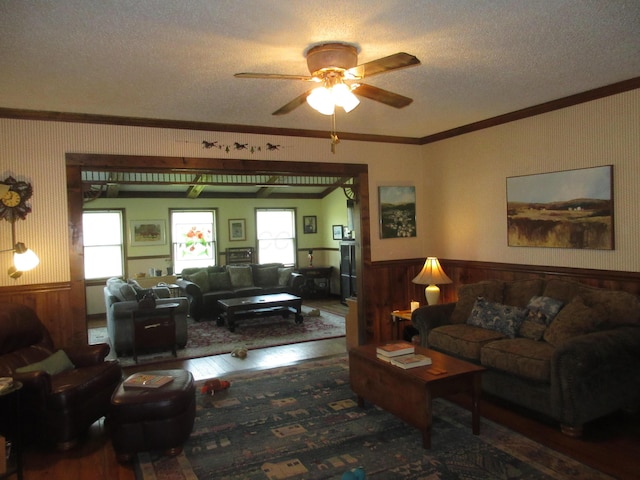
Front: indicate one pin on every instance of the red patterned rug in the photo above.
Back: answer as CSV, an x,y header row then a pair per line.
x,y
206,338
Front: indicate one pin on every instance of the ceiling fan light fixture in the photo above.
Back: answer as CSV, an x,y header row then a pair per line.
x,y
343,97
320,99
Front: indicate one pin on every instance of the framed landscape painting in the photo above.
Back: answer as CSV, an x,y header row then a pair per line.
x,y
397,212
145,233
567,209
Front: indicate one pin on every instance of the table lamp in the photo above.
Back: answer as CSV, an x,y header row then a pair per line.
x,y
431,275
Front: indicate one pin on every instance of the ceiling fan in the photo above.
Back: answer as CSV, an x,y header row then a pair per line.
x,y
335,67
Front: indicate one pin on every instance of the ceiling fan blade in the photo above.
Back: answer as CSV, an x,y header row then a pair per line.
x,y
386,64
274,76
382,96
293,104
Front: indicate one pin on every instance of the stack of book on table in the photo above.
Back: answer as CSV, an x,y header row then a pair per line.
x,y
146,380
402,354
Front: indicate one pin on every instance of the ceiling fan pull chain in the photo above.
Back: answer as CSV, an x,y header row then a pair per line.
x,y
334,135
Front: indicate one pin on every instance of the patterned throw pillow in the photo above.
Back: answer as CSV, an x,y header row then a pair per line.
x,y
496,316
219,281
283,276
265,276
573,320
541,312
241,276
201,279
121,289
467,295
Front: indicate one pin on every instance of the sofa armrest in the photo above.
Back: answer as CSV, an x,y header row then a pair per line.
x,y
36,384
296,280
86,355
428,317
595,371
161,291
190,289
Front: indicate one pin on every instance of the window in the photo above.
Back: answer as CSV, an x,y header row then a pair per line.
x,y
276,234
193,239
103,244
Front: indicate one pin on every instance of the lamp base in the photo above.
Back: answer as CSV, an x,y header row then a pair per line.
x,y
432,293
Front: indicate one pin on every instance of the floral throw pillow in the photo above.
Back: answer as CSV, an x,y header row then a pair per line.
x,y
501,318
541,312
543,309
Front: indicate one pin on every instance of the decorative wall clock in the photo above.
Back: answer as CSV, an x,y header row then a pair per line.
x,y
13,204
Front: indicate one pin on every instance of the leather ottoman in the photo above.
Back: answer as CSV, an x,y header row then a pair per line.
x,y
152,419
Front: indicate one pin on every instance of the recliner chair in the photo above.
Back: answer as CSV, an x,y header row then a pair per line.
x,y
64,393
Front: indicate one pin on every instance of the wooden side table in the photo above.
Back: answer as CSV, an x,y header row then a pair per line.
x,y
174,290
398,317
12,430
317,281
154,328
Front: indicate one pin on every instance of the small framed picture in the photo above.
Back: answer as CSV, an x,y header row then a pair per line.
x,y
237,229
310,223
337,232
145,233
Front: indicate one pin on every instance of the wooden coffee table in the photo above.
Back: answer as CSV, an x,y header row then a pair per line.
x,y
259,306
408,393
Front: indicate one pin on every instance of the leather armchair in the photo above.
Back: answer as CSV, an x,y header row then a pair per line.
x,y
56,408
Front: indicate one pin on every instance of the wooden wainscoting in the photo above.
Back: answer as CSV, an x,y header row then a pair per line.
x,y
52,303
388,285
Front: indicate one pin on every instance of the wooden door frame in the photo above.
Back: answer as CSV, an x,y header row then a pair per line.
x,y
77,162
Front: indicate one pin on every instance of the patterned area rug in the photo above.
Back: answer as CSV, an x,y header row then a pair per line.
x,y
303,422
206,338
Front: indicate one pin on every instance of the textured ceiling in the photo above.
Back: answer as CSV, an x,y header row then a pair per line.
x,y
175,60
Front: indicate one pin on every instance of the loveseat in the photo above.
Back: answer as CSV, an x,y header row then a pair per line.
x,y
122,297
561,348
205,286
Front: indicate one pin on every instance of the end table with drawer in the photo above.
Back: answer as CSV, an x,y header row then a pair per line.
x,y
317,281
154,328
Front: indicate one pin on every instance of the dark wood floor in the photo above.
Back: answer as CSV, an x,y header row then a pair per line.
x,y
611,445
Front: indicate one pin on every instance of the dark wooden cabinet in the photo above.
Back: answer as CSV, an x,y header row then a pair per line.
x,y
347,270
240,255
317,281
154,328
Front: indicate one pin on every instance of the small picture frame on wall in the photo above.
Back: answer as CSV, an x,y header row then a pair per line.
x,y
147,233
237,229
337,232
310,224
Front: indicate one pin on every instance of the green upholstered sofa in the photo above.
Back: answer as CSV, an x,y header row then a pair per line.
x,y
573,355
205,286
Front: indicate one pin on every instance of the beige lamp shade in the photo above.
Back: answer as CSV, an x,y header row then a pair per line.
x,y
431,275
